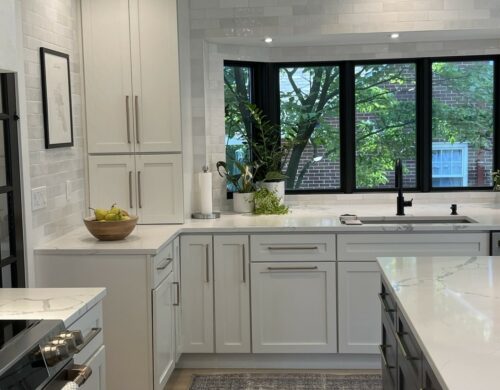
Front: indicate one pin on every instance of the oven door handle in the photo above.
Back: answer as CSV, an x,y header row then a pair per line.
x,y
92,334
80,373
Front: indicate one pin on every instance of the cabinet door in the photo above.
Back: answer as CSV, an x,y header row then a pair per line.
x,y
159,188
111,180
197,294
108,75
294,307
388,354
232,294
163,333
358,307
155,63
97,363
177,305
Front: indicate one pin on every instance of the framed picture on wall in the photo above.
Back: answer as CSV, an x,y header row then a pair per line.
x,y
56,95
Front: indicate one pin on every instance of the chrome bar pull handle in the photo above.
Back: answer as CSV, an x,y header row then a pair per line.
x,y
139,192
130,189
292,248
404,352
207,264
384,304
382,349
291,268
164,264
243,252
137,119
177,286
127,109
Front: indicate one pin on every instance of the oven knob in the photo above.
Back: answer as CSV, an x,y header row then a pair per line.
x,y
56,351
73,338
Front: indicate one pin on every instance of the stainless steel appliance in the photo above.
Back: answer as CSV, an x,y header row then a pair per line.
x,y
495,243
37,355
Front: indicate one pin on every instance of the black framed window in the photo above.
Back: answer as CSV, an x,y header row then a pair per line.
x,y
12,270
352,120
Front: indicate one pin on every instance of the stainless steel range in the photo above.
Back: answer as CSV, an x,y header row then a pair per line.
x,y
38,355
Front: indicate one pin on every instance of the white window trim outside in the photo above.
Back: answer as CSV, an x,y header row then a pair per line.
x,y
464,147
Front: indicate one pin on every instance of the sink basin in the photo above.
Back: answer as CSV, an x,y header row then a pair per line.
x,y
450,219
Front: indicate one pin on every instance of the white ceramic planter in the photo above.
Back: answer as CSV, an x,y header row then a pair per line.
x,y
278,187
243,203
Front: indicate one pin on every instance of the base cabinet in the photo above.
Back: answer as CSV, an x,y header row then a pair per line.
x,y
293,307
163,332
197,294
358,307
404,366
97,363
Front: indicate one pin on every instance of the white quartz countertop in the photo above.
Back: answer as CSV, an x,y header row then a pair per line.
x,y
452,305
67,304
149,239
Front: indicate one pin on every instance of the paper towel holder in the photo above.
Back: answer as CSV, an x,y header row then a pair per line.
x,y
199,215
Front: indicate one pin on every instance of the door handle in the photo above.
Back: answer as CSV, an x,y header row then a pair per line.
x,y
165,264
207,265
244,263
130,189
139,192
137,119
127,110
177,285
384,303
382,349
404,352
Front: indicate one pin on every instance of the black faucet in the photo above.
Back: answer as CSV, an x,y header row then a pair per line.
x,y
401,202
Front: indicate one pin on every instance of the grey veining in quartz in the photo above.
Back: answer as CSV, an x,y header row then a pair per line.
x,y
67,304
452,305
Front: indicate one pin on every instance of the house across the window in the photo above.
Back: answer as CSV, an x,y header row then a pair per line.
x,y
449,164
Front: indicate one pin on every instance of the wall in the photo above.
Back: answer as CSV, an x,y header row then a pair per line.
x,y
8,49
318,30
54,24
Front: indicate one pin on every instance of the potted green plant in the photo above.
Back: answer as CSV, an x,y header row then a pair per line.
x,y
496,180
268,203
242,182
269,151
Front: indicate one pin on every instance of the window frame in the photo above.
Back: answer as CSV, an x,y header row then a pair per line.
x,y
268,87
10,119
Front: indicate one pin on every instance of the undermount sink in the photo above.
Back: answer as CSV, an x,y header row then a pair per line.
x,y
451,219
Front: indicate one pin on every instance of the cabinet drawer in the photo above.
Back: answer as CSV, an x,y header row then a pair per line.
x,y
90,324
388,354
292,247
366,247
162,264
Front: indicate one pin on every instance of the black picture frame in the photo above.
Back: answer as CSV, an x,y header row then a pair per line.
x,y
55,74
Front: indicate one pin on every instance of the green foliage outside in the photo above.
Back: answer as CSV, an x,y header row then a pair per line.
x,y
385,109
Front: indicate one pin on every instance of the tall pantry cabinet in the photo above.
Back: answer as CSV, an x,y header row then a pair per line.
x,y
131,70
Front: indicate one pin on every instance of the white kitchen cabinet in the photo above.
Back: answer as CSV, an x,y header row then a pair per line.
x,y
108,82
159,188
163,332
147,185
294,307
232,294
358,307
177,304
197,296
131,86
112,181
367,247
97,363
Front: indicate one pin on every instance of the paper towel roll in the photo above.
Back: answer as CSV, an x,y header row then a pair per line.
x,y
205,186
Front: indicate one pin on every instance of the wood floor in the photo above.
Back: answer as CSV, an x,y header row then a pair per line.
x,y
181,378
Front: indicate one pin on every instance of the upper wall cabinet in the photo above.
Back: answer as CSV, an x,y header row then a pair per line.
x,y
131,76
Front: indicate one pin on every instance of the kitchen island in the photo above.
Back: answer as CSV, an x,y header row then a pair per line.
x,y
450,307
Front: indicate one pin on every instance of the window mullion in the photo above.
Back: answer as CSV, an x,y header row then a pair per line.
x,y
347,127
424,125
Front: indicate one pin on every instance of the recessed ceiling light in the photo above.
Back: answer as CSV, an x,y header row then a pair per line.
x,y
395,35
268,39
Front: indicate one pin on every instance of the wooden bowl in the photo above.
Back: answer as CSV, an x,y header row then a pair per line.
x,y
110,230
